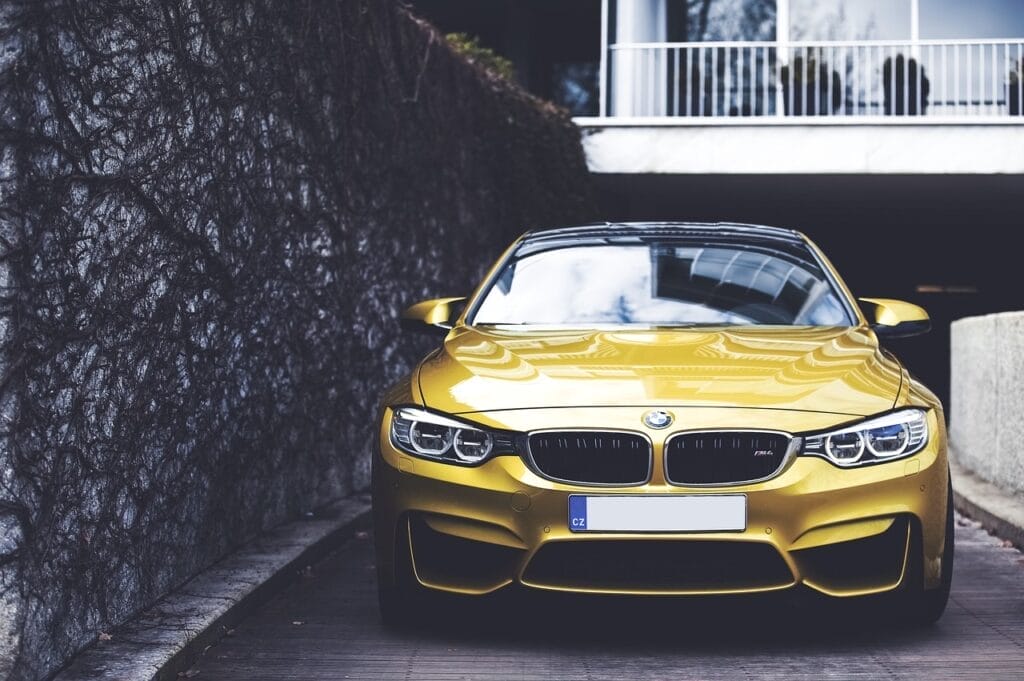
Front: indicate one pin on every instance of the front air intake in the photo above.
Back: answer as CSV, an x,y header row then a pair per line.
x,y
591,457
724,457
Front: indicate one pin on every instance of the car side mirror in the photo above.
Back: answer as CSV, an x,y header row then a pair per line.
x,y
434,317
895,318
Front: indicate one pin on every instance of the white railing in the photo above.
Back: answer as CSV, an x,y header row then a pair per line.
x,y
909,80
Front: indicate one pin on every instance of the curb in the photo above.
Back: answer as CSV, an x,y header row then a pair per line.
x,y
169,637
997,510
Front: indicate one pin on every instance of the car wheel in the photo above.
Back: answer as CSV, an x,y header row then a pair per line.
x,y
400,595
915,605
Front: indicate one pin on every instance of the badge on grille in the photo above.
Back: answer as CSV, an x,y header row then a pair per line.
x,y
658,419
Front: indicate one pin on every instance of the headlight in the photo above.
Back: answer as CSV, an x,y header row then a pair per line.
x,y
882,438
432,436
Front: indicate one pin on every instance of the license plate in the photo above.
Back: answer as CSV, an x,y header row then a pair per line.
x,y
676,513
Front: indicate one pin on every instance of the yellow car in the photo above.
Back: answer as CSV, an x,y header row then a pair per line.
x,y
663,409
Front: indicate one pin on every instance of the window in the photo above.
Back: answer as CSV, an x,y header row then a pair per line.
x,y
669,283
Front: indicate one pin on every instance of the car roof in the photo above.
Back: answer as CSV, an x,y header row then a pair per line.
x,y
665,229
734,233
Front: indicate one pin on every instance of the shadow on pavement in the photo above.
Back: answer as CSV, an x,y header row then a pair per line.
x,y
779,622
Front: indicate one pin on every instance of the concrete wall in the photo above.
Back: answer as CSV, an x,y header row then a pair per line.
x,y
986,411
210,215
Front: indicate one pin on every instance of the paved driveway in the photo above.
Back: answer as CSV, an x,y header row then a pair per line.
x,y
326,627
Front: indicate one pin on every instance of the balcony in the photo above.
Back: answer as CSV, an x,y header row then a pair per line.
x,y
837,79
830,106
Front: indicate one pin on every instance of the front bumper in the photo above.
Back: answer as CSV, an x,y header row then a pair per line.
x,y
842,532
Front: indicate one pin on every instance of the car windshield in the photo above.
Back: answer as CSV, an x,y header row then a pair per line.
x,y
671,283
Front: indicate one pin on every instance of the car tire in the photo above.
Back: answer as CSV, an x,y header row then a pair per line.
x,y
915,605
399,594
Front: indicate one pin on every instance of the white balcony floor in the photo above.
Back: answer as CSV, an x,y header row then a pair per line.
x,y
788,146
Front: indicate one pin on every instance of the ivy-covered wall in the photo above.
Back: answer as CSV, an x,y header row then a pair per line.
x,y
210,215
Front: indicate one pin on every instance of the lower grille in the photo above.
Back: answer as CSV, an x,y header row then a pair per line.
x,y
867,563
448,561
656,565
724,457
592,457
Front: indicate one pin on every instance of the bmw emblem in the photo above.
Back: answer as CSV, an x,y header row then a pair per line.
x,y
658,419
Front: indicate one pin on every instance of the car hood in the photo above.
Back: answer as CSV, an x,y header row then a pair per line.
x,y
834,370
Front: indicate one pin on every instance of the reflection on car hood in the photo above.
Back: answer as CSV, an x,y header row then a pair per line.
x,y
836,370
